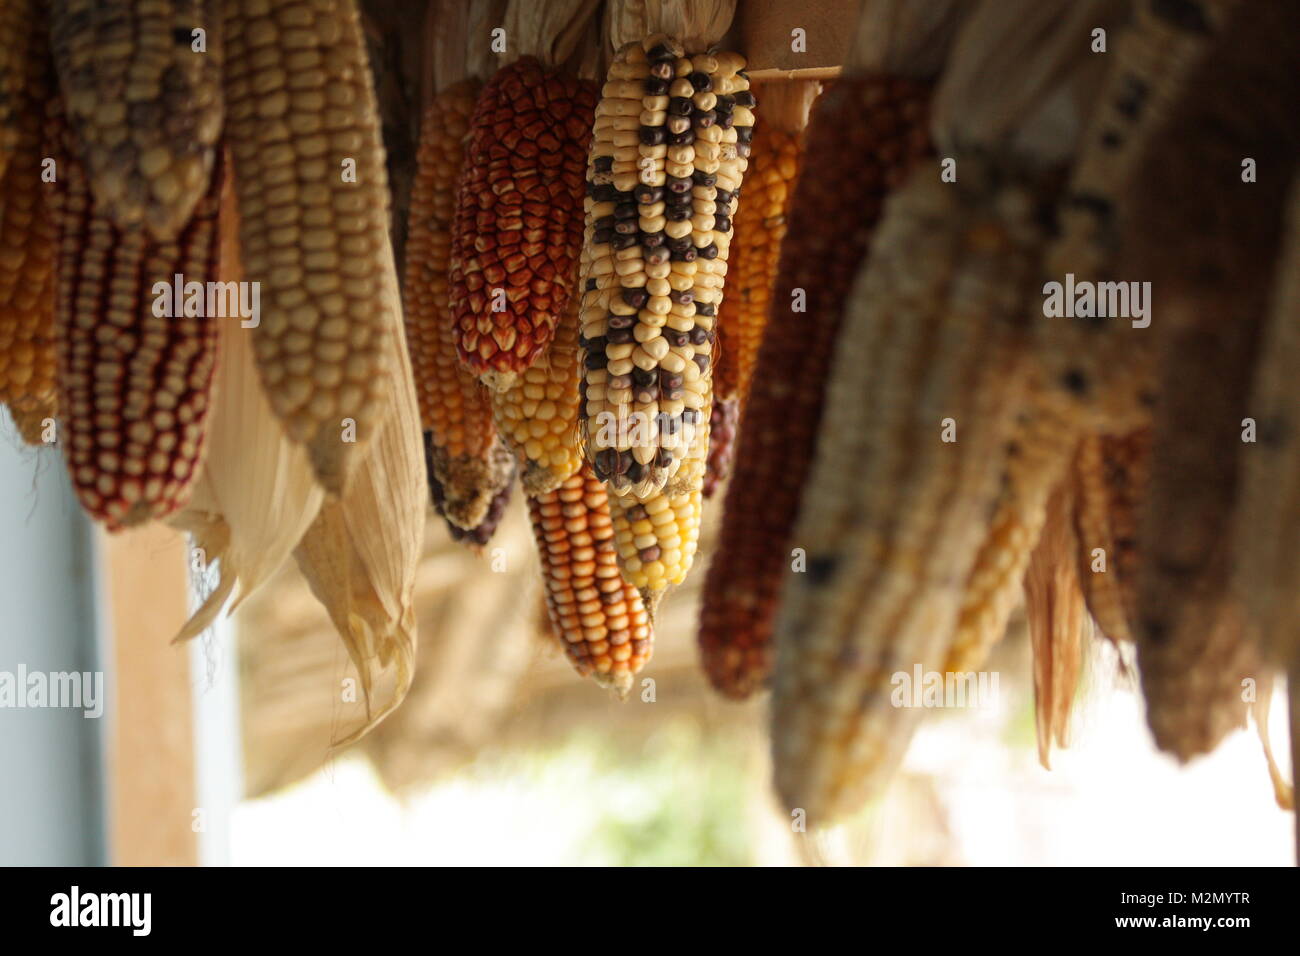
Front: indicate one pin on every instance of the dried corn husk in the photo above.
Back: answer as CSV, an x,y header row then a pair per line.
x,y
360,555
549,31
698,24
257,495
1059,624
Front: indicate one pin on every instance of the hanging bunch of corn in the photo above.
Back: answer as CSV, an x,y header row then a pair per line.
x,y
865,133
142,85
467,470
1102,368
311,182
930,374
760,229
27,228
518,227
1213,262
135,364
599,617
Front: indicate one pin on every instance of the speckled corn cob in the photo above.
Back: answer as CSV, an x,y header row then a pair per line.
x,y
657,538
538,414
864,135
144,107
27,231
455,412
1102,369
893,516
518,227
135,386
499,482
1110,475
1267,566
1036,458
300,110
598,616
1213,262
672,138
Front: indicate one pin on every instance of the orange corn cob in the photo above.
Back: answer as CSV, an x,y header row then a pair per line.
x,y
518,226
865,134
27,228
455,412
597,614
134,385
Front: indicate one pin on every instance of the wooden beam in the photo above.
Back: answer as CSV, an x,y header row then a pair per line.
x,y
151,785
767,36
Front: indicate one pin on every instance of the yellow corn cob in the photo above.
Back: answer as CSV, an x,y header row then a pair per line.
x,y
1213,262
538,413
1035,458
27,228
671,142
657,539
866,133
135,379
301,120
1267,566
1102,368
467,471
893,515
599,617
144,106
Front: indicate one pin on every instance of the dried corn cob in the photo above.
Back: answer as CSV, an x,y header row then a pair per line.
x,y
1036,457
27,228
135,363
1110,479
301,120
671,139
464,461
538,414
598,616
1213,262
657,538
865,133
1058,622
144,106
517,232
1103,368
1267,565
498,480
724,420
894,515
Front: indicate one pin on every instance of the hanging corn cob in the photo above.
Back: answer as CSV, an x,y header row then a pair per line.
x,y
499,479
896,509
464,461
865,133
671,140
1058,623
599,617
517,231
313,203
760,228
1102,368
27,228
1036,458
1110,479
144,104
538,414
135,366
1213,262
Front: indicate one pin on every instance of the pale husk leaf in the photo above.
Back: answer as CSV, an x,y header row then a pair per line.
x,y
699,24
549,31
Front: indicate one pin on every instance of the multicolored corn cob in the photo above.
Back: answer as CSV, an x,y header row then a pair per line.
x,y
313,204
135,360
865,134
929,369
27,228
144,104
672,137
498,482
599,617
1103,369
518,226
464,460
538,414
